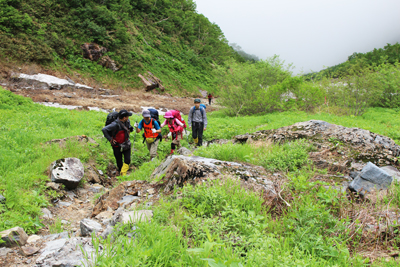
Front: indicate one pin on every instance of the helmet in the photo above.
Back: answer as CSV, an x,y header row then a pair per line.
x,y
168,115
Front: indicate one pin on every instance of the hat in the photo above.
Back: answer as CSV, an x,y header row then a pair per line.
x,y
124,113
146,113
197,100
168,115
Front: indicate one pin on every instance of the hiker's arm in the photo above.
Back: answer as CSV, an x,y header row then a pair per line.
x,y
109,129
157,127
140,126
178,122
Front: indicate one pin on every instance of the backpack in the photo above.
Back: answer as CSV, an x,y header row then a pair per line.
x,y
203,106
177,115
154,115
112,116
201,109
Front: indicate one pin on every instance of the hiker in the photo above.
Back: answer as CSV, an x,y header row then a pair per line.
x,y
175,127
197,119
209,98
117,133
152,132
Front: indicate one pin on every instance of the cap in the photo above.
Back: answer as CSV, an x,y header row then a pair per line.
x,y
146,113
124,113
197,100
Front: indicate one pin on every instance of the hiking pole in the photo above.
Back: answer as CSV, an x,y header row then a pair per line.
x,y
187,137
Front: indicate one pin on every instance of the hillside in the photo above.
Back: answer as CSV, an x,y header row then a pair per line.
x,y
389,54
168,38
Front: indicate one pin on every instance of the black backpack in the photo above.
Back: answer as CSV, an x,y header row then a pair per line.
x,y
112,116
154,115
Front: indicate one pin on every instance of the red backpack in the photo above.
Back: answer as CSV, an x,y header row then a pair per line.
x,y
177,115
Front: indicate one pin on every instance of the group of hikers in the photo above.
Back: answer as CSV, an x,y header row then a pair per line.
x,y
118,129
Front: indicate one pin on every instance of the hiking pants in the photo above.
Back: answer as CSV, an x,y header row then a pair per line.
x,y
176,140
198,128
209,101
153,148
118,152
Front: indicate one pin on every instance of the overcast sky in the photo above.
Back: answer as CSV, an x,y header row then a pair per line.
x,y
310,34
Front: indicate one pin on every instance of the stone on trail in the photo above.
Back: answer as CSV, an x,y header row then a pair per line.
x,y
13,237
4,251
67,252
28,251
67,171
33,239
109,230
371,177
89,226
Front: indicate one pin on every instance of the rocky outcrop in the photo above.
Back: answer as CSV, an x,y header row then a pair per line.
x,y
89,226
108,63
46,82
67,171
179,170
367,146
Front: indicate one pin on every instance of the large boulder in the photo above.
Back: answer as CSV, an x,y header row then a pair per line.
x,y
13,237
370,178
178,170
392,171
67,171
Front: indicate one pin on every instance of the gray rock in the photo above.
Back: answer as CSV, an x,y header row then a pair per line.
x,y
33,239
62,235
68,171
64,204
28,251
47,214
353,175
4,252
89,226
13,237
184,151
67,253
392,171
370,178
126,200
109,230
2,199
96,188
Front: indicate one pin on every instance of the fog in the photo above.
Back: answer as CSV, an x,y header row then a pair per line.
x,y
311,34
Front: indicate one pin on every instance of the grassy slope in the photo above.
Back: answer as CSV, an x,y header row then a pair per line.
x,y
168,38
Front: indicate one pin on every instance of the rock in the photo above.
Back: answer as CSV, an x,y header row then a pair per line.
x,y
126,200
65,252
4,252
13,237
92,176
62,235
28,251
392,171
184,151
107,62
104,215
93,51
109,230
151,191
68,171
33,238
370,178
44,81
89,226
96,188
2,199
64,204
178,170
53,186
47,214
353,175
100,172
